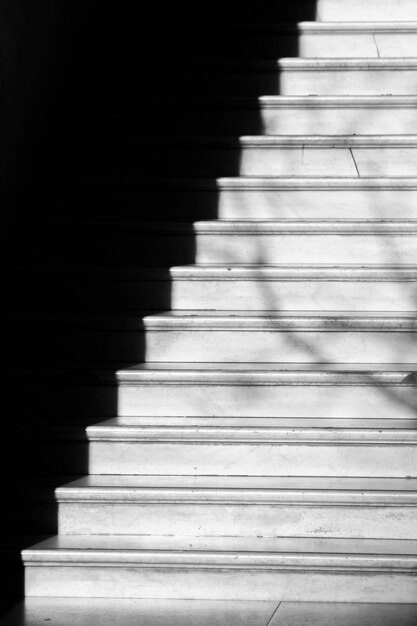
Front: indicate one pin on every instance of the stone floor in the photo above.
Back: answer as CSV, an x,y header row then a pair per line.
x,y
103,612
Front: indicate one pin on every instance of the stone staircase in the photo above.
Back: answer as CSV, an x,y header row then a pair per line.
x,y
241,358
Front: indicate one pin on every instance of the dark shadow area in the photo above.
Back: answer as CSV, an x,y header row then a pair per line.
x,y
91,164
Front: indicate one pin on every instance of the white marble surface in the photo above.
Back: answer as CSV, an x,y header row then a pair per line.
x,y
254,519
276,459
371,10
360,44
338,116
359,82
314,295
328,161
107,612
221,584
274,346
328,614
300,161
268,401
378,248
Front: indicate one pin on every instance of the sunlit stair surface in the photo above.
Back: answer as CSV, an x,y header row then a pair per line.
x,y
214,321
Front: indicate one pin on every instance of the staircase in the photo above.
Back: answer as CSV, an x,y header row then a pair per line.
x,y
241,358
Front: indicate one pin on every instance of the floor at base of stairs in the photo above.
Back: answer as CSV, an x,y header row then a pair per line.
x,y
105,612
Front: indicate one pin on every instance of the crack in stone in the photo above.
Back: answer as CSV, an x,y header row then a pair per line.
x,y
354,161
273,614
376,46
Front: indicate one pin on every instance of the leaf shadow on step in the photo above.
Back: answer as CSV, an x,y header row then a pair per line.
x,y
400,399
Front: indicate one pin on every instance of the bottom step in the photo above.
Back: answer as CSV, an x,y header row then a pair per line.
x,y
104,612
319,570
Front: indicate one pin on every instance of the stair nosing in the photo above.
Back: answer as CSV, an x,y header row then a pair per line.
x,y
299,553
228,321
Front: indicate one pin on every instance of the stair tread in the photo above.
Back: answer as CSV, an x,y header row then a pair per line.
x,y
241,182
269,373
253,431
328,26
395,372
243,482
290,63
264,100
96,487
230,271
218,320
254,422
233,227
271,367
256,141
112,546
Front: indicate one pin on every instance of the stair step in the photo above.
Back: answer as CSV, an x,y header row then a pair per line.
x,y
225,287
309,155
234,242
213,335
216,389
347,76
299,390
320,39
266,115
291,77
244,197
245,506
238,337
219,320
223,568
279,448
241,40
249,430
229,489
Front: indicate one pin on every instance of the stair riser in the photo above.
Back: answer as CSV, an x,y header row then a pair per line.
x,y
309,248
228,81
350,82
332,120
291,120
290,346
357,45
284,120
222,583
254,520
228,295
307,203
267,401
372,10
295,202
265,42
294,295
200,400
252,459
218,346
328,44
291,248
278,161
329,162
